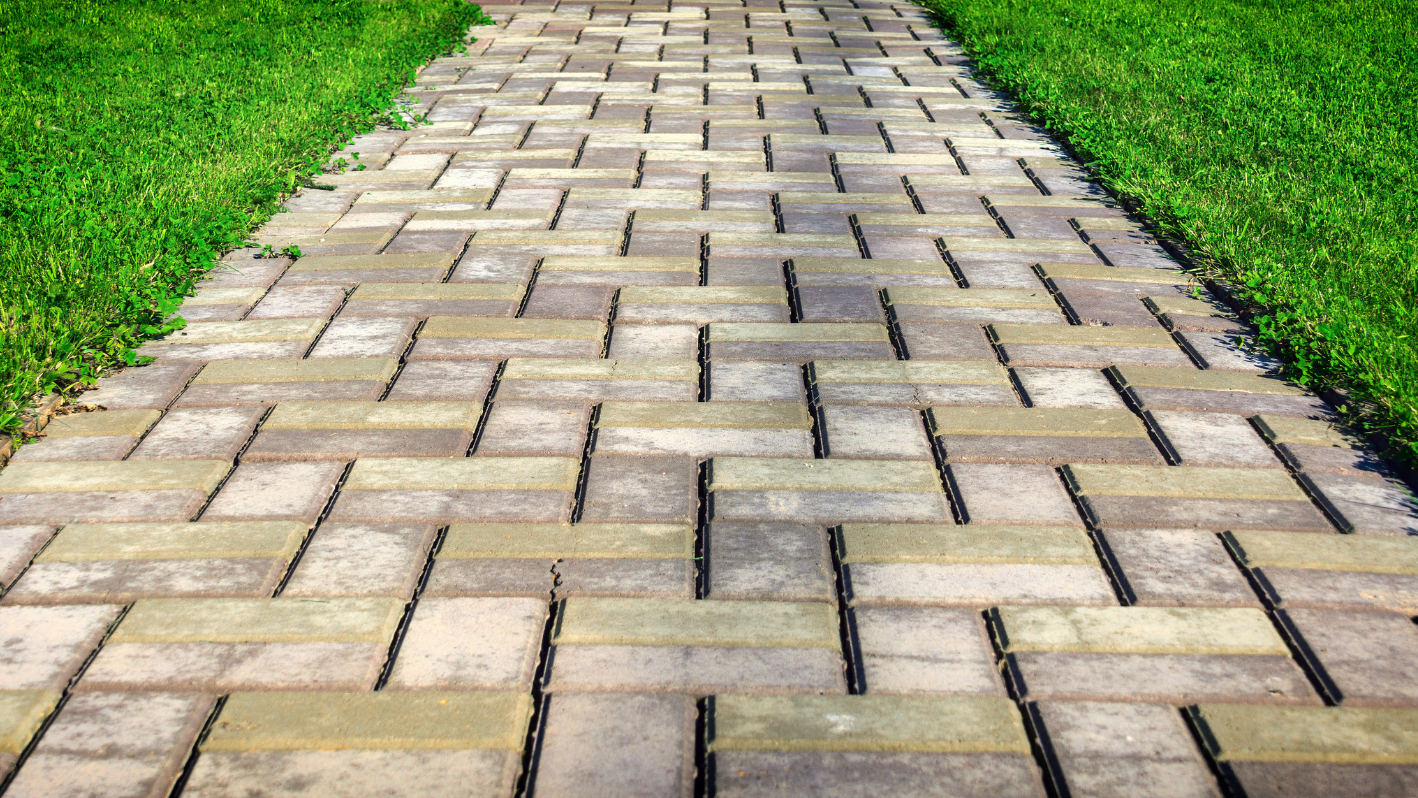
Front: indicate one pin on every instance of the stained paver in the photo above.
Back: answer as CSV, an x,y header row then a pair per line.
x,y
713,398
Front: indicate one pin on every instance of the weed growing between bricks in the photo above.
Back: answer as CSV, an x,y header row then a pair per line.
x,y
1274,138
141,139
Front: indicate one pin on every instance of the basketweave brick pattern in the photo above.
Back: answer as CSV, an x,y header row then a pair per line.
x,y
715,397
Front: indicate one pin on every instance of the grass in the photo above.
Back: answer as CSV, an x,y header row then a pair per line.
x,y
140,138
1276,137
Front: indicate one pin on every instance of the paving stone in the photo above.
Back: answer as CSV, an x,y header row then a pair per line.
x,y
1312,751
1365,506
754,381
128,423
654,342
361,560
893,433
17,545
1148,654
232,382
216,433
617,271
1211,439
913,650
1244,734
1011,494
357,336
768,561
497,644
941,303
592,380
442,489
695,647
1219,352
22,712
854,271
649,622
1082,388
861,774
388,721
1107,309
944,341
1086,347
914,383
417,267
1305,432
941,724
535,428
44,646
433,299
224,645
97,491
1369,658
702,304
1331,571
1177,568
797,342
118,563
236,340
443,381
1313,779
90,447
130,744
1136,630
347,430
1041,435
704,429
295,303
1125,749
1216,392
275,491
445,337
826,490
587,302
652,489
259,621
1192,496
969,565
617,745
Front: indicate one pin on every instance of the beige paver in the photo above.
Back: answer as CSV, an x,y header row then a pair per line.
x,y
661,622
96,542
335,620
1364,554
1310,734
370,721
1137,630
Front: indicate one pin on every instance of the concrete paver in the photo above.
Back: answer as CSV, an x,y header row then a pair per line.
x,y
715,398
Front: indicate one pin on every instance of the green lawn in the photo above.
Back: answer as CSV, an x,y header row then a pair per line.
x,y
1278,137
141,137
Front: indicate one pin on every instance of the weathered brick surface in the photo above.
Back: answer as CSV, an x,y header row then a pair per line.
x,y
750,395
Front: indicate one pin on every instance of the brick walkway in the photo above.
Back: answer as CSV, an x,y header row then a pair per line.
x,y
716,400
